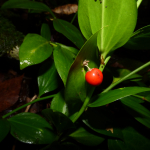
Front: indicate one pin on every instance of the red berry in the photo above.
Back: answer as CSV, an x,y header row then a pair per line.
x,y
94,77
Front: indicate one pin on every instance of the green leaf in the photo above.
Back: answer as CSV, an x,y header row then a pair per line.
x,y
83,19
133,138
140,39
75,90
31,128
139,112
101,120
26,4
63,58
4,128
68,48
58,119
116,21
59,104
113,95
34,50
48,78
70,31
84,137
135,106
45,31
134,98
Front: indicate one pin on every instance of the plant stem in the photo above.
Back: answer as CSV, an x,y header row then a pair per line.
x,y
125,77
73,17
102,66
25,105
84,105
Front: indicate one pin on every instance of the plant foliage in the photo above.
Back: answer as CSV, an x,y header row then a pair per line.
x,y
80,114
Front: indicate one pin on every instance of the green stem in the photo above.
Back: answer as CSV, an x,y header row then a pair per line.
x,y
25,105
102,66
125,77
73,18
84,105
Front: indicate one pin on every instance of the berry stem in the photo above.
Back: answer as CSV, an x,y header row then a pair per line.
x,y
89,69
85,63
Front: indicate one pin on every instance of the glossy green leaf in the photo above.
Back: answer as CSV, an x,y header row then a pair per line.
x,y
101,120
32,129
26,4
75,90
68,48
83,19
48,78
84,137
34,49
63,58
70,31
134,137
113,95
58,119
4,128
139,112
59,104
140,39
116,21
45,31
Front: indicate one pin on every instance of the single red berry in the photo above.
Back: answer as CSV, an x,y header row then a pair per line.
x,y
94,77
